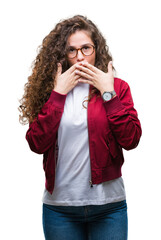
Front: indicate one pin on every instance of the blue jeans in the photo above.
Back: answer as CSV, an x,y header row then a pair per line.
x,y
92,222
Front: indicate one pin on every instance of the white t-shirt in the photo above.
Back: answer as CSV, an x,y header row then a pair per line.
x,y
73,170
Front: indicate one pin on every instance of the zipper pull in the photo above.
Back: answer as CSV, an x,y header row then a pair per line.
x,y
91,183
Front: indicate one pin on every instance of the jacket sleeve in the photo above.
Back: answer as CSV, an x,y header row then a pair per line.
x,y
123,118
42,132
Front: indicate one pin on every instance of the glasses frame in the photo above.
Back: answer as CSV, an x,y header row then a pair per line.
x,y
77,49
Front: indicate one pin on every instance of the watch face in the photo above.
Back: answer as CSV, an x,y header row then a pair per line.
x,y
107,96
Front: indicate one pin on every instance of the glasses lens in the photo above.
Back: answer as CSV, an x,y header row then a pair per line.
x,y
71,52
87,50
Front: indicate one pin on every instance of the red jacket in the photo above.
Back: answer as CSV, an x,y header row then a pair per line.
x,y
112,125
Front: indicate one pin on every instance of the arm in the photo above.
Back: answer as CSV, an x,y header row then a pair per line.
x,y
120,110
42,132
123,119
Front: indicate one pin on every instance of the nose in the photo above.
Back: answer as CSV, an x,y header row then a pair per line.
x,y
80,56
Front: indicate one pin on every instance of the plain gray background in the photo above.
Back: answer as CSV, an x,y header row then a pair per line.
x,y
132,30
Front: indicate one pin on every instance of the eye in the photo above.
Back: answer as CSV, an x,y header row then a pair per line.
x,y
71,50
86,47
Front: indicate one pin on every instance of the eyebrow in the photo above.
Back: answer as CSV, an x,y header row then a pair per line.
x,y
70,46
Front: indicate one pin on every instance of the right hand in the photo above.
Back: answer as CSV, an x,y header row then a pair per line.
x,y
65,82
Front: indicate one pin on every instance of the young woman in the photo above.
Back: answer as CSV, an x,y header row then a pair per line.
x,y
80,117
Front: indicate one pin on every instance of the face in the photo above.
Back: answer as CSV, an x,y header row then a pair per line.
x,y
77,40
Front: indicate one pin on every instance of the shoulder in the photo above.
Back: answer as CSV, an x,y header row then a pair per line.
x,y
120,82
120,85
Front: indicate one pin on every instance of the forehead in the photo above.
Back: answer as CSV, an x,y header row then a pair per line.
x,y
79,38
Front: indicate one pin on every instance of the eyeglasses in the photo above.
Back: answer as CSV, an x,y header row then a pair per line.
x,y
86,50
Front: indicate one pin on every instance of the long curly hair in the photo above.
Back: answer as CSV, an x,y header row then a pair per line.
x,y
53,51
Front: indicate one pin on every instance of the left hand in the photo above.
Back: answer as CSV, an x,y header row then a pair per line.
x,y
94,76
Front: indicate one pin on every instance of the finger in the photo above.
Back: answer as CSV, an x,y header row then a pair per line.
x,y
73,67
110,70
84,75
89,66
77,80
82,80
59,70
85,70
77,77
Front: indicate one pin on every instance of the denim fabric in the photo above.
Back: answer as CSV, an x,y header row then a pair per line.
x,y
92,222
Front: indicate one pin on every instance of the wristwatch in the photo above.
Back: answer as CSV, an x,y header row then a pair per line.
x,y
108,95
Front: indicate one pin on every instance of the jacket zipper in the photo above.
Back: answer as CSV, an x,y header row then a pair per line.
x,y
91,184
90,181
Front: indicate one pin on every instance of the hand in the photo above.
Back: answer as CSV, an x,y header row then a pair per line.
x,y
94,76
65,82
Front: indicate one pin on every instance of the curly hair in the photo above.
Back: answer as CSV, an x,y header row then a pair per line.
x,y
53,51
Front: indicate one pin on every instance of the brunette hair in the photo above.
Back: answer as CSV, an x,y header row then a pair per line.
x,y
53,51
